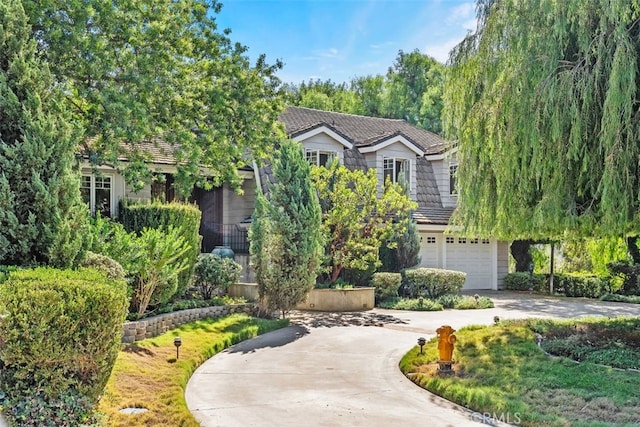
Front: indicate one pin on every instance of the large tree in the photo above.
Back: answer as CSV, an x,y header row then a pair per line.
x,y
286,245
543,100
42,217
142,70
358,217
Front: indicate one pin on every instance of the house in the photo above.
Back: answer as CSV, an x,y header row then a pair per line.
x,y
394,148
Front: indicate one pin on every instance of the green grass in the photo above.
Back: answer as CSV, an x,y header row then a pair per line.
x,y
147,374
501,370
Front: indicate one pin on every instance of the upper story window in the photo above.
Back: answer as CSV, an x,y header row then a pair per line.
x,y
97,193
396,169
453,182
319,157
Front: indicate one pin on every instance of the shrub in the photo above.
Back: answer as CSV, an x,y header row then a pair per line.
x,y
473,303
414,304
183,217
60,333
386,285
524,281
434,282
212,272
448,300
629,274
110,267
631,299
581,285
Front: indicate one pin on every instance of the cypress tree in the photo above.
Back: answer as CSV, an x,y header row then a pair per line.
x,y
42,217
286,243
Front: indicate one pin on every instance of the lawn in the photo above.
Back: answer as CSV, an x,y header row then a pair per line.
x,y
501,371
147,374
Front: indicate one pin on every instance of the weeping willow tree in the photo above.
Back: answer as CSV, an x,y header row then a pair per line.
x,y
543,100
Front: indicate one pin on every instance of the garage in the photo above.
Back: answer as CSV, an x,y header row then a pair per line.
x,y
472,256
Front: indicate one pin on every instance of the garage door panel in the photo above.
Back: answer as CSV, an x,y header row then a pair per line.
x,y
473,259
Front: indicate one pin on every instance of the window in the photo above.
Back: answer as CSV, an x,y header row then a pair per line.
x,y
396,169
450,240
97,193
453,190
320,157
473,241
462,240
431,239
485,241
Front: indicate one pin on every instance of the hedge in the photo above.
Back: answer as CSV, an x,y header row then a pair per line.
x,y
159,215
433,282
521,281
60,333
386,285
581,285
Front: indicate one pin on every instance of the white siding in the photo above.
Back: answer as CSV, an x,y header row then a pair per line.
x,y
430,250
503,262
324,142
399,151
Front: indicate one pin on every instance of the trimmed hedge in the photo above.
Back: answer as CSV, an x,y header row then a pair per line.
x,y
159,215
581,285
386,285
60,334
433,282
521,281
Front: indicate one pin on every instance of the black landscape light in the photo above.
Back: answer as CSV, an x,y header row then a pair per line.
x,y
421,343
177,341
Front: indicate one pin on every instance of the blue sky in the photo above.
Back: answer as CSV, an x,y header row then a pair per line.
x,y
342,39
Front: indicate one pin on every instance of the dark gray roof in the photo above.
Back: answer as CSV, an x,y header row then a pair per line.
x,y
432,215
427,193
354,159
361,131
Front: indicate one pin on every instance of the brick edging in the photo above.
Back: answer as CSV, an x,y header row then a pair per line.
x,y
156,325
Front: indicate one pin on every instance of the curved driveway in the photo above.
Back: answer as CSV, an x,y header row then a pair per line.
x,y
332,369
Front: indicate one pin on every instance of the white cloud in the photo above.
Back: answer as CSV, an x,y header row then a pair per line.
x,y
378,46
332,52
461,12
441,51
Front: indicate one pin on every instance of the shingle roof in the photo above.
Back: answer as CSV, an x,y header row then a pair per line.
x,y
354,159
156,151
427,193
362,131
432,215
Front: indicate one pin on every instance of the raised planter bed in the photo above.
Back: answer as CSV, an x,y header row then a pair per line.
x,y
356,299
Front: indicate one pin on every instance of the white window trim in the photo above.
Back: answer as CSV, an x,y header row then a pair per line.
x,y
394,161
317,152
92,192
452,191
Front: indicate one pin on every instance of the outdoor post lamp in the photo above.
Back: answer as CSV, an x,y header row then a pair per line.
x,y
420,301
177,341
421,343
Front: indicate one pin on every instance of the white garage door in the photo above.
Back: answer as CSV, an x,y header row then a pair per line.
x,y
473,256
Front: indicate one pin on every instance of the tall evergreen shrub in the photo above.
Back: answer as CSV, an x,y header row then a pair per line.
x,y
182,217
286,243
42,217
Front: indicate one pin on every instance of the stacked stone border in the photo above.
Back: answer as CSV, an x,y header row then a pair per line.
x,y
157,325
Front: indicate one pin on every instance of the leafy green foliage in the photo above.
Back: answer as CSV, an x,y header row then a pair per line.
x,y
355,221
433,282
524,282
136,71
213,272
411,90
386,285
542,99
285,236
592,254
473,302
582,285
629,274
110,267
153,261
59,337
413,304
42,217
403,249
183,217
632,299
34,409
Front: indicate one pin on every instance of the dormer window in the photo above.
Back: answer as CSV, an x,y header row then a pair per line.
x,y
396,169
320,157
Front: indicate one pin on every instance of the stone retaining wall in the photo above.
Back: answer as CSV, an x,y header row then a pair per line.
x,y
157,325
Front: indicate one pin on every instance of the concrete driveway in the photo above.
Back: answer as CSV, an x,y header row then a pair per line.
x,y
332,369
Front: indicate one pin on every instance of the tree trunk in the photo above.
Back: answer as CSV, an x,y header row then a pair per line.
x,y
632,247
520,253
